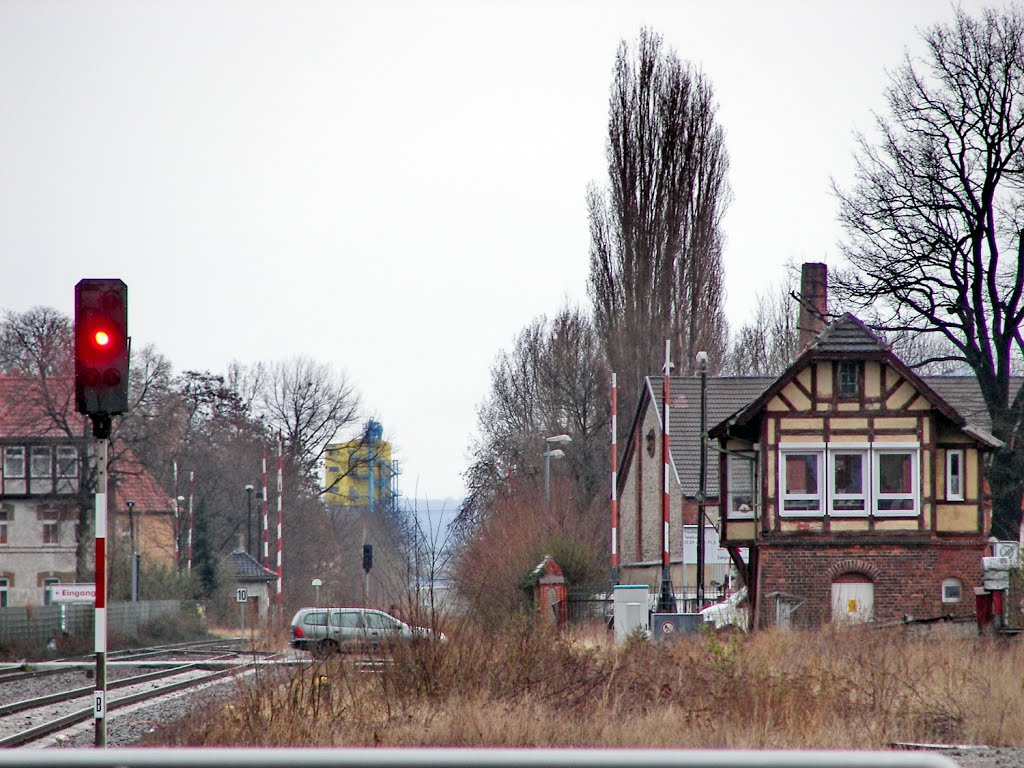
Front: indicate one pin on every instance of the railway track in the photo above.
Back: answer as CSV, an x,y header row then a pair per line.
x,y
32,719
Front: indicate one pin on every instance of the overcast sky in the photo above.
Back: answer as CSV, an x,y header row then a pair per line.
x,y
395,188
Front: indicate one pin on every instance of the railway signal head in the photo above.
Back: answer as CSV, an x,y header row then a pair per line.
x,y
101,347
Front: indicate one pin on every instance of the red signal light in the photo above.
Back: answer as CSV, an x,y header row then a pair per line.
x,y
101,347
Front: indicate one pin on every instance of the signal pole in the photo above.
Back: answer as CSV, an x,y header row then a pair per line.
x,y
101,431
101,391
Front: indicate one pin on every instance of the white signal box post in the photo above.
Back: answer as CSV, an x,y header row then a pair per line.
x,y
242,597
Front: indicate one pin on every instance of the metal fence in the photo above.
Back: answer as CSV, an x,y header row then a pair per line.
x,y
465,758
586,605
36,625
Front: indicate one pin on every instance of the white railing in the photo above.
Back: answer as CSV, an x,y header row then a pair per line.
x,y
464,758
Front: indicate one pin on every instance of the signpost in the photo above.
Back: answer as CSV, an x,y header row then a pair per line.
x,y
73,593
242,597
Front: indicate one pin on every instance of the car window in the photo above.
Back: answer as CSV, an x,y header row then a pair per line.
x,y
346,619
380,621
316,619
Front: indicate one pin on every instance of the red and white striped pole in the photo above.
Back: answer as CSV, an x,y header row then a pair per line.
x,y
266,515
191,517
615,493
667,600
177,524
280,514
100,623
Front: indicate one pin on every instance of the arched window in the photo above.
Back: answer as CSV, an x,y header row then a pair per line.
x,y
952,590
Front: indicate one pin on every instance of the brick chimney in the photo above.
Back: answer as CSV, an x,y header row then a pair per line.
x,y
813,301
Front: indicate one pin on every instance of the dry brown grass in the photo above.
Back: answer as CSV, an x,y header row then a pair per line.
x,y
863,688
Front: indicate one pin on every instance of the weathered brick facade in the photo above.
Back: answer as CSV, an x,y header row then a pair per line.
x,y
907,572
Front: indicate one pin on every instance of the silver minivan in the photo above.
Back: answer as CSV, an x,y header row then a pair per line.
x,y
324,630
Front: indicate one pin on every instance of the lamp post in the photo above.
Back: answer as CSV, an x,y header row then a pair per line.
x,y
552,453
702,368
135,551
248,518
177,530
316,588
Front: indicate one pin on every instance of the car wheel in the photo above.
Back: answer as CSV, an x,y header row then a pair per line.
x,y
325,648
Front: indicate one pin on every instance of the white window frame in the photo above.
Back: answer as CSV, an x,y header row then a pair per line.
x,y
745,461
882,449
952,582
15,478
815,449
6,518
41,469
850,449
856,382
952,453
50,524
66,478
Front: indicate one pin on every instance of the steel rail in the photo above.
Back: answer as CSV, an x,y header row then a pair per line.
x,y
43,729
54,698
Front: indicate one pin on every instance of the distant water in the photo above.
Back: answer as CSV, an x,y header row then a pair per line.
x,y
435,515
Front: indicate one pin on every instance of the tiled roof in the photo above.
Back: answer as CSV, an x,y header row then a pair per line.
x,y
131,481
724,396
26,406
245,568
964,394
847,335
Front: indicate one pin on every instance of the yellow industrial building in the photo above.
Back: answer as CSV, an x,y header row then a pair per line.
x,y
361,473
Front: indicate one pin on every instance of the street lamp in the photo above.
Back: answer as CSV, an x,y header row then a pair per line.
x,y
248,518
552,453
135,550
702,370
316,583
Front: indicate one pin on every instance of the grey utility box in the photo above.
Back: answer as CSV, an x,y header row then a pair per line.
x,y
630,610
669,626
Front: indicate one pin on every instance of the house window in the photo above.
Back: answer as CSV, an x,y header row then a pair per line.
x,y
50,518
955,475
4,586
14,469
33,470
41,469
800,483
895,481
880,479
849,379
47,583
741,485
6,518
848,482
67,469
952,590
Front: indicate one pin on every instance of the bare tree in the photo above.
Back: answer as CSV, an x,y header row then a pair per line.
x,y
553,381
935,221
656,240
309,403
770,340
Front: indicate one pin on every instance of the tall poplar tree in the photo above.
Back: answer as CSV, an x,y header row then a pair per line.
x,y
656,238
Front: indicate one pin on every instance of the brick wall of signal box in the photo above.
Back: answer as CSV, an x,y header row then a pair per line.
x,y
907,578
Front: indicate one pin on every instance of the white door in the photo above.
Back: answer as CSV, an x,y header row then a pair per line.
x,y
853,600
